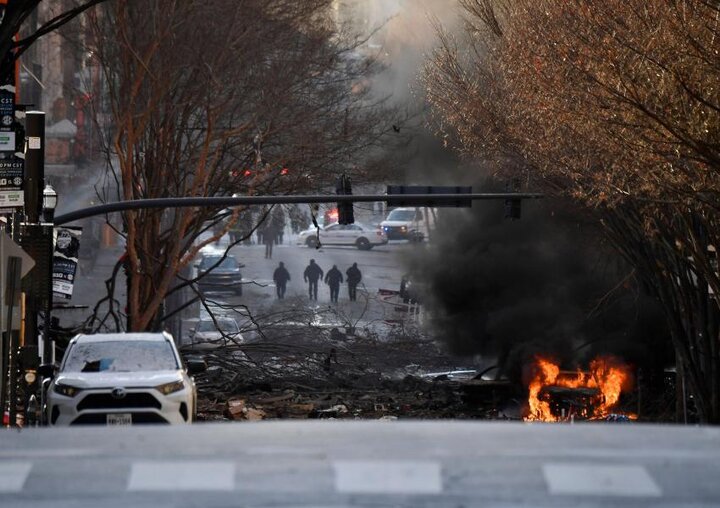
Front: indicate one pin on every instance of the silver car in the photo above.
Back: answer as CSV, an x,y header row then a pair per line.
x,y
122,379
209,333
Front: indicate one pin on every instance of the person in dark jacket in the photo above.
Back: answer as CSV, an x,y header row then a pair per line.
x,y
269,239
354,276
311,275
333,279
277,222
281,277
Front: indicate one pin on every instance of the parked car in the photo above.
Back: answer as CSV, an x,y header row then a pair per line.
x,y
122,379
209,333
363,237
220,273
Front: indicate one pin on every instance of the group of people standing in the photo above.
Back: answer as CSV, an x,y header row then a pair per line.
x,y
313,274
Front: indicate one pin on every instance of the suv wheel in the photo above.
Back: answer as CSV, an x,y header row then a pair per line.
x,y
311,242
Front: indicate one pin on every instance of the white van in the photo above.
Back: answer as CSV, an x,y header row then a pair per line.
x,y
411,224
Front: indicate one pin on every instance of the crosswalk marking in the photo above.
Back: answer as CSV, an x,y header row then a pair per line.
x,y
600,480
354,477
182,475
13,475
387,477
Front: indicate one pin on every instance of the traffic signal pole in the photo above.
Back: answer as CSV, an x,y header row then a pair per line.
x,y
36,240
31,232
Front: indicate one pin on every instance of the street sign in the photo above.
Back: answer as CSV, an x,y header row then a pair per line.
x,y
12,177
7,109
11,198
8,248
7,141
399,190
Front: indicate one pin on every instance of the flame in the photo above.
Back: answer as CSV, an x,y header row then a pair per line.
x,y
607,375
546,374
331,215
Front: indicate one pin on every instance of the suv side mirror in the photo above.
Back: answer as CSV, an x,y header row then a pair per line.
x,y
195,366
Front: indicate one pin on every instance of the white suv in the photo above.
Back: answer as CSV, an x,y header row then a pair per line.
x,y
406,224
122,379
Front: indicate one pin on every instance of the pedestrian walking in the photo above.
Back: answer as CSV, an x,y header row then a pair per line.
x,y
354,276
333,279
269,238
294,214
311,275
277,220
281,277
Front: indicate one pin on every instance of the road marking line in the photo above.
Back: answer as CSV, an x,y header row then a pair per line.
x,y
13,475
601,480
181,475
387,477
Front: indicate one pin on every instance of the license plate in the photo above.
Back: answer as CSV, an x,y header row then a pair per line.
x,y
119,419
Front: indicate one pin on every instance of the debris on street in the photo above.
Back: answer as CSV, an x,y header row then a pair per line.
x,y
326,375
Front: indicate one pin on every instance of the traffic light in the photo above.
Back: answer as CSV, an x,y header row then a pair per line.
x,y
513,207
345,209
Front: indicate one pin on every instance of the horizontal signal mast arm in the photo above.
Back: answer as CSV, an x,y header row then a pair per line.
x,y
411,199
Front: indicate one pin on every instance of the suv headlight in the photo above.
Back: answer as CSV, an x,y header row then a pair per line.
x,y
66,390
169,388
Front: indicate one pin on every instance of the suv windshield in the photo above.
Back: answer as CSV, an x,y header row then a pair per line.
x,y
404,215
227,263
121,356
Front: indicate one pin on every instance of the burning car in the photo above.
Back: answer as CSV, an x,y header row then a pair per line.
x,y
556,395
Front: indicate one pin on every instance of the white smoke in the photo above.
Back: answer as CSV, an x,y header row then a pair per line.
x,y
400,33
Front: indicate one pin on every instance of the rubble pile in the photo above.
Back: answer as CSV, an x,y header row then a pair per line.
x,y
347,376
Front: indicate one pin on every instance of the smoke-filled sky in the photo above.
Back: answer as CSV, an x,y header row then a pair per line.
x,y
401,32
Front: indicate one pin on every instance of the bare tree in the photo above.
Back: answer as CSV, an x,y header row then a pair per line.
x,y
615,104
14,18
221,97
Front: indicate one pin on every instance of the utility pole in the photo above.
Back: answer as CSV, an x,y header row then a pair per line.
x,y
32,234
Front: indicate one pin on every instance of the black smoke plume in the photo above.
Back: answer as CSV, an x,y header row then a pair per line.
x,y
544,284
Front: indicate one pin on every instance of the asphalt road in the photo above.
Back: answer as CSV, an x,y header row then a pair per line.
x,y
339,464
382,268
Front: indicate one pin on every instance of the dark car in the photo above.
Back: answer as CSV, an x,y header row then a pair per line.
x,y
220,273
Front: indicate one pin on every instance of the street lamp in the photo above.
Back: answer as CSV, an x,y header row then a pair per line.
x,y
49,202
50,199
